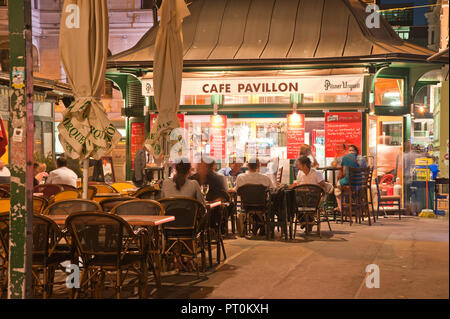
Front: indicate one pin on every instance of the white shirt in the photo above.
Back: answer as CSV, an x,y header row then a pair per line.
x,y
254,178
63,175
314,177
5,172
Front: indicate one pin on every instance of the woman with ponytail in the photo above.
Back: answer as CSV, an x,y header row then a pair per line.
x,y
180,184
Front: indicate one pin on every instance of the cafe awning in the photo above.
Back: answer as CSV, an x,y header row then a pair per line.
x,y
249,32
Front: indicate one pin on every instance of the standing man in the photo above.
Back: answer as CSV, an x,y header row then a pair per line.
x,y
141,160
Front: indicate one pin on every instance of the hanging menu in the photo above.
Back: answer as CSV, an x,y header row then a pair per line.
x,y
218,136
342,128
137,139
295,134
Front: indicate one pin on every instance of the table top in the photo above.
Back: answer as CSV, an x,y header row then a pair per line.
x,y
108,195
329,168
133,220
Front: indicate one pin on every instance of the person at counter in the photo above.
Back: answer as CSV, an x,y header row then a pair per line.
x,y
308,175
206,175
141,161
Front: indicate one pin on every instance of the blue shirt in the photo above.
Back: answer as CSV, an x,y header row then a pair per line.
x,y
226,171
349,160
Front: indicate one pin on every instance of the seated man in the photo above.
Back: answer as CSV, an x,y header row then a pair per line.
x,y
308,175
254,177
63,174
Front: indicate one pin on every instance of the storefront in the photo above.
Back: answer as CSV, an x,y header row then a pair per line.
x,y
259,85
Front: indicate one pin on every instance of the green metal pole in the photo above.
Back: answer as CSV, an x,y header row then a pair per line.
x,y
22,134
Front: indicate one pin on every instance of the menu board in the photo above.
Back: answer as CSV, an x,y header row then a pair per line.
x,y
108,171
295,134
137,139
218,136
342,128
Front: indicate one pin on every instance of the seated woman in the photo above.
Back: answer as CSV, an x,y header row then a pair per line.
x,y
305,150
308,175
349,160
181,185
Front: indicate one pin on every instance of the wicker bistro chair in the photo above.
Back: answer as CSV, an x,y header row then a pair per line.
x,y
46,255
388,201
6,187
4,193
107,244
369,198
354,195
148,192
104,188
108,204
67,207
39,205
48,190
64,195
4,252
308,199
218,216
185,237
255,200
122,187
327,205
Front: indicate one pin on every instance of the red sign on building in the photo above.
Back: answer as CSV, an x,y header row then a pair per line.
x,y
295,134
218,136
342,128
137,139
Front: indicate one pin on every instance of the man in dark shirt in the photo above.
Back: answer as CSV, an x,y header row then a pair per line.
x,y
217,184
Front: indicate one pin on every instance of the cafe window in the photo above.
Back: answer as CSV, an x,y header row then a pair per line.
x,y
332,98
195,100
257,99
389,92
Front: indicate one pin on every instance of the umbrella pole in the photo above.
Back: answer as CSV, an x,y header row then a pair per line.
x,y
85,178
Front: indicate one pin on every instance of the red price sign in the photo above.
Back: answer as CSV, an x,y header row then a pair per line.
x,y
342,128
295,134
218,136
137,139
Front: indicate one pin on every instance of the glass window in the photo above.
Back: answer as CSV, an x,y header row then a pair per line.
x,y
195,100
332,98
389,92
42,109
257,99
38,137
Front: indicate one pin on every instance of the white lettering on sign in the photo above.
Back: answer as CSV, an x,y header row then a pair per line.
x,y
73,18
266,85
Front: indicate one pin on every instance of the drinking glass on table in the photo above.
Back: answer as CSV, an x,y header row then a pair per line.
x,y
204,189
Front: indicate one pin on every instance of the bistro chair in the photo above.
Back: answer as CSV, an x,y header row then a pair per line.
x,y
327,204
387,201
104,188
369,198
148,192
218,216
4,252
185,237
64,195
5,205
139,207
123,187
39,205
67,187
67,207
4,193
279,175
107,244
354,195
257,206
46,255
308,198
108,204
6,187
48,190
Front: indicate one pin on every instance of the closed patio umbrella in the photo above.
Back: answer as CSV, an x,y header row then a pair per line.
x,y
83,44
167,75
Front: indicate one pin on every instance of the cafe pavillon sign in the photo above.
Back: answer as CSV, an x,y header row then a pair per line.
x,y
266,85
